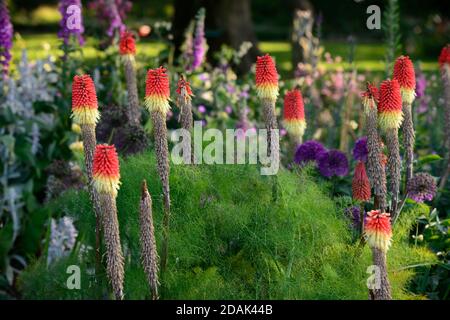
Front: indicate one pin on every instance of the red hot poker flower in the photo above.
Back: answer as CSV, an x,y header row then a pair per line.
x,y
370,97
377,230
127,45
444,57
360,183
84,100
183,84
294,113
266,78
390,114
106,175
406,77
157,91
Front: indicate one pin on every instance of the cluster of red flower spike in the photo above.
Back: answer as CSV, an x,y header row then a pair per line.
x,y
157,90
105,169
127,44
294,113
84,101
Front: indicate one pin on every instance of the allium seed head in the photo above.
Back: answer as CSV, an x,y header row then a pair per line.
x,y
406,77
377,230
422,187
266,78
84,100
390,114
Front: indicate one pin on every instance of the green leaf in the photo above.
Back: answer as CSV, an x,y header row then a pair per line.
x,y
429,158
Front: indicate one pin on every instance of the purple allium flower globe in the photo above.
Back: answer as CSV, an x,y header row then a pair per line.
x,y
422,187
333,163
71,21
360,151
6,35
309,151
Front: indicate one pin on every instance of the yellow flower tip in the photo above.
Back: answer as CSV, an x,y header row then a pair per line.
x,y
76,147
390,120
378,240
295,128
106,184
157,103
267,91
128,57
408,95
85,115
76,128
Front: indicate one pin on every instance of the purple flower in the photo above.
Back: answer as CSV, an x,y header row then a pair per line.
x,y
71,21
199,40
333,163
354,214
360,151
421,85
113,13
6,35
228,109
230,88
309,151
422,187
244,94
201,108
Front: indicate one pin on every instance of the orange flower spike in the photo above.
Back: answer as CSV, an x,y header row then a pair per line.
x,y
405,75
360,183
444,57
157,91
127,44
294,113
266,78
390,115
84,100
377,230
106,175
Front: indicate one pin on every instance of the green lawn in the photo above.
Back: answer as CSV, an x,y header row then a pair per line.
x,y
368,57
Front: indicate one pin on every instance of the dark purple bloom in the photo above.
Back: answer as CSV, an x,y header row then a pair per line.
x,y
360,151
354,214
309,151
71,21
333,163
422,187
199,40
6,35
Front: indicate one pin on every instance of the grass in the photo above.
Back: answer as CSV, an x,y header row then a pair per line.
x,y
228,240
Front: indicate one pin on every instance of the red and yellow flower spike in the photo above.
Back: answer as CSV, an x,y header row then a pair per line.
x,y
377,230
360,183
157,91
266,78
84,100
405,75
294,113
390,115
444,57
370,97
106,176
127,44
